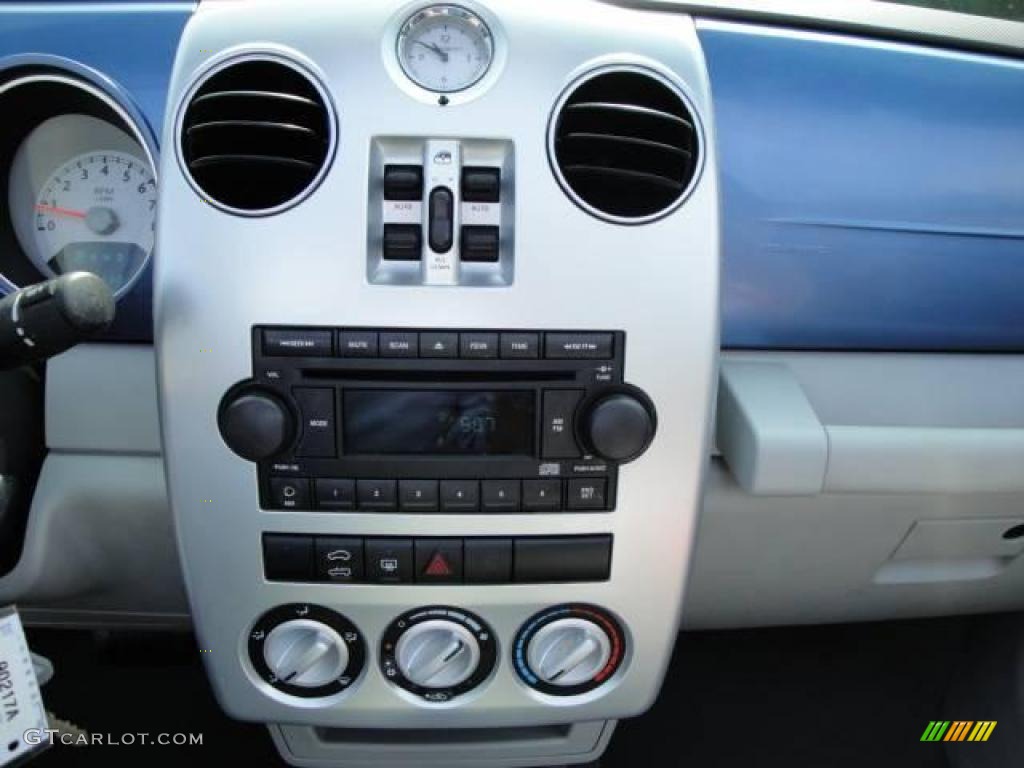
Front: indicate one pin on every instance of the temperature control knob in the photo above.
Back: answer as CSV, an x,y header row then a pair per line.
x,y
306,650
255,424
619,424
569,650
438,653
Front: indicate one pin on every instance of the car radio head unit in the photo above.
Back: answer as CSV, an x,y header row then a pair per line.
x,y
388,420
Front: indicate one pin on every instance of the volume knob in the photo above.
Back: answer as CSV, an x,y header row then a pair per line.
x,y
255,424
619,426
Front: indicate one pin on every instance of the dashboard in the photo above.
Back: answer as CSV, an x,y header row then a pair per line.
x,y
466,352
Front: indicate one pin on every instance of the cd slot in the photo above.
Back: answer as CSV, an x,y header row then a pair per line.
x,y
436,376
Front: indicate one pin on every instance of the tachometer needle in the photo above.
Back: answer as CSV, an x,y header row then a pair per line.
x,y
61,211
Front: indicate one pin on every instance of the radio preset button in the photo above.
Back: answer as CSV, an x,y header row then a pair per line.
x,y
542,495
389,561
558,440
478,346
399,344
316,404
289,493
460,495
357,343
417,495
339,560
500,495
376,495
520,346
298,342
586,494
575,346
335,493
439,344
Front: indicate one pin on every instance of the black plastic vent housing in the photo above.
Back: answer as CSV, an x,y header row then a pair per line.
x,y
256,135
625,145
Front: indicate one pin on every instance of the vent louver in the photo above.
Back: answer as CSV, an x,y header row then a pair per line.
x,y
256,136
625,145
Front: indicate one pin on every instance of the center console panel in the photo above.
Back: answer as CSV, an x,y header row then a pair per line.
x,y
435,394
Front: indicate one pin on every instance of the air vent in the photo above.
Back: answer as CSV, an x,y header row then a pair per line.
x,y
624,144
256,136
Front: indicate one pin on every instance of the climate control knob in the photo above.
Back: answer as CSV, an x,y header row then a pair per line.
x,y
618,425
255,424
306,650
438,653
569,649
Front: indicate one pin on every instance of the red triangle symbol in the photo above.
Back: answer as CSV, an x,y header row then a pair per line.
x,y
438,566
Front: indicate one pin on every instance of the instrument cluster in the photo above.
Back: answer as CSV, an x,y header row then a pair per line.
x,y
80,187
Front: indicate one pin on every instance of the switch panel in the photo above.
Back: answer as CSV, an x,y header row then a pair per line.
x,y
441,212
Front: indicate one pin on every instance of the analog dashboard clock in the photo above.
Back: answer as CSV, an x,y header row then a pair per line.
x,y
445,48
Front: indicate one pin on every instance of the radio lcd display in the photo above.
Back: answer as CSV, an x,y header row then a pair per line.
x,y
446,422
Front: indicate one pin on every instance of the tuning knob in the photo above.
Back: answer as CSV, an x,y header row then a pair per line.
x,y
306,650
438,653
618,425
255,424
569,649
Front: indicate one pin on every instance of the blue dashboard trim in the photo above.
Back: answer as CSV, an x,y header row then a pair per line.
x,y
872,192
128,49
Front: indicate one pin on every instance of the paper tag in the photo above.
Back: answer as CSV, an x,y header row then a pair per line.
x,y
21,705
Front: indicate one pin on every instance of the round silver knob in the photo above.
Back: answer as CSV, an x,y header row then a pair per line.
x,y
305,653
437,654
568,652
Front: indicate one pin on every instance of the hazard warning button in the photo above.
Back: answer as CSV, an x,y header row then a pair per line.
x,y
439,561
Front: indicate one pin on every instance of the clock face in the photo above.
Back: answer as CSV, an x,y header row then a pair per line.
x,y
445,48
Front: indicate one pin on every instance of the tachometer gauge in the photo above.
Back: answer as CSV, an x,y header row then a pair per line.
x,y
445,48
97,213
